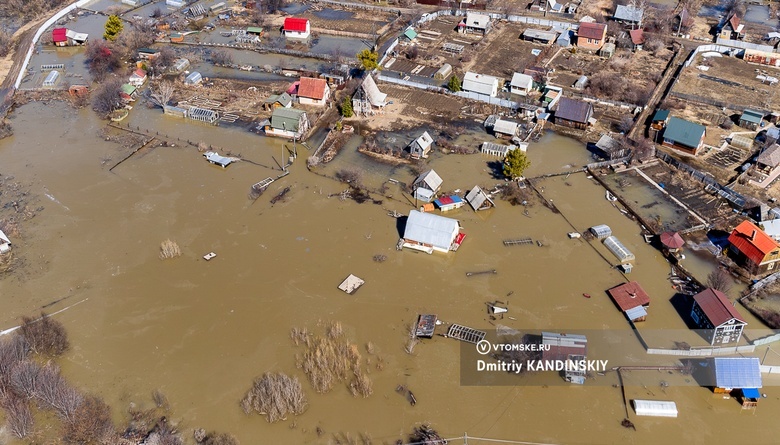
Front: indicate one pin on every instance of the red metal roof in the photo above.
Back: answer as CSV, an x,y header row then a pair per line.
x,y
637,36
734,22
753,242
591,30
59,35
295,24
293,89
717,307
629,295
312,88
672,240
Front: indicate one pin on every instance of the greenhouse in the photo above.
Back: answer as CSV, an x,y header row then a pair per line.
x,y
655,408
618,249
601,231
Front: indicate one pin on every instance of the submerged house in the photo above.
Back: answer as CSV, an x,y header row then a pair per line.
x,y
426,186
479,200
562,347
730,373
288,122
420,147
631,299
573,113
429,232
753,249
313,91
610,149
368,100
505,129
684,135
713,312
298,28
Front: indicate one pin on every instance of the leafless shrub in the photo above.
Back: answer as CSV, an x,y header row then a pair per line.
x,y
164,435
655,46
221,57
350,176
361,385
515,195
312,162
54,393
425,435
169,249
719,279
625,123
5,43
24,378
44,335
162,94
91,423
275,395
105,98
12,352
18,416
214,438
160,400
380,258
102,58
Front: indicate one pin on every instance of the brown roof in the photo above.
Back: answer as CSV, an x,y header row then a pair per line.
x,y
734,21
574,110
717,307
629,295
312,88
637,36
770,156
591,30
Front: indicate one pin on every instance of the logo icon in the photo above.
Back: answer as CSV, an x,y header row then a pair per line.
x,y
483,347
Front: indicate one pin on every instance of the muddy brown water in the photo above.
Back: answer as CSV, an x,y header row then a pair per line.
x,y
201,331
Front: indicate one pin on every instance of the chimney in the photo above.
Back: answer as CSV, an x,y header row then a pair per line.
x,y
753,236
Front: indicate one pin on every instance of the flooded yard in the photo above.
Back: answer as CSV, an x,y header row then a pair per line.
x,y
201,331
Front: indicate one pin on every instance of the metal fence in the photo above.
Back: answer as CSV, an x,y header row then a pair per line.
x,y
727,193
766,340
717,103
464,94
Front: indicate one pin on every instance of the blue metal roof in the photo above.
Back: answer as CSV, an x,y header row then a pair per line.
x,y
751,393
660,115
737,372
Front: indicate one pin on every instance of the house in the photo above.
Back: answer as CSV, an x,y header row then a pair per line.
x,y
5,243
521,84
730,373
138,77
283,100
313,91
479,200
505,129
573,113
631,299
297,28
475,23
763,58
127,93
539,36
561,347
254,30
194,78
751,119
368,99
659,120
768,160
637,38
480,83
148,53
288,122
713,312
591,36
447,203
732,28
426,186
684,135
420,147
610,148
410,34
76,38
628,14
753,249
59,36
429,232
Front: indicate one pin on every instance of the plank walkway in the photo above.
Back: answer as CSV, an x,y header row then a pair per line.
x,y
518,242
466,334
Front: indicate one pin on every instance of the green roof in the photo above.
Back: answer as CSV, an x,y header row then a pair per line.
x,y
284,99
660,115
752,116
128,89
410,33
684,132
286,118
254,30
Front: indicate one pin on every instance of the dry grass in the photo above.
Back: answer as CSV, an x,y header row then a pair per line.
x,y
275,395
169,249
331,358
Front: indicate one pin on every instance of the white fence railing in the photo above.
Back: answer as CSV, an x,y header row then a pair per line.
x,y
702,352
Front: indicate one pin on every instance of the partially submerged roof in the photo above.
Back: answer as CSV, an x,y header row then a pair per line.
x,y
684,132
312,88
608,144
560,346
636,313
376,97
430,179
424,140
59,35
629,295
428,228
628,13
574,110
591,30
752,242
655,408
716,306
770,156
351,284
737,372
505,127
477,197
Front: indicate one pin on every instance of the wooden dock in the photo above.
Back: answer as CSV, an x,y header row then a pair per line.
x,y
518,241
466,334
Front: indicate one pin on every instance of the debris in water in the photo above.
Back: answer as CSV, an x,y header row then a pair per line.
x,y
209,256
281,195
628,424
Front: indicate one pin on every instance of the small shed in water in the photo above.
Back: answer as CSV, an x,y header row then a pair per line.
x,y
420,147
447,203
618,249
479,200
729,373
655,408
630,297
216,159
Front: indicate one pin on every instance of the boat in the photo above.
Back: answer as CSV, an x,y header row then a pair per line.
x,y
586,295
610,197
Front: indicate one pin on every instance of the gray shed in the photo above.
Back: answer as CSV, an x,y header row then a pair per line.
x,y
564,39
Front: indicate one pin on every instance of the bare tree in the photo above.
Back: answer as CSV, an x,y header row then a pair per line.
x,y
53,392
625,123
12,351
719,279
105,98
5,43
275,395
164,60
163,94
736,7
44,335
102,59
91,423
24,378
221,57
18,416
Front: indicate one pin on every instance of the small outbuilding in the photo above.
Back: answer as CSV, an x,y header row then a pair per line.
x,y
655,408
539,36
427,185
713,312
730,373
447,203
573,113
601,231
521,84
296,27
631,299
194,78
429,232
479,200
751,119
618,249
444,72
420,147
480,83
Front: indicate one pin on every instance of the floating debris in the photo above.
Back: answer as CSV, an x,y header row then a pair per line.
x,y
209,256
484,272
426,324
351,284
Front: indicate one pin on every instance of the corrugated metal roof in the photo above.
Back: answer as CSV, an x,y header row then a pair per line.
x,y
505,127
376,97
410,33
684,132
574,110
476,20
430,179
717,307
295,24
286,118
547,36
427,228
628,13
59,35
480,83
312,88
591,30
752,116
757,247
563,345
636,312
522,81
737,372
655,408
476,197
629,296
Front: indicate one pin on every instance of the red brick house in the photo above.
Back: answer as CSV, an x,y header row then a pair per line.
x,y
591,36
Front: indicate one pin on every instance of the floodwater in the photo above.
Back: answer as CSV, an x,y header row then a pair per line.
x,y
201,331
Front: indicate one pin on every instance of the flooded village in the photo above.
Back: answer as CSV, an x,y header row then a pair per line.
x,y
229,222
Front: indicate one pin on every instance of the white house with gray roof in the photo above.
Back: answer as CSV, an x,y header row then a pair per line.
x,y
427,185
480,83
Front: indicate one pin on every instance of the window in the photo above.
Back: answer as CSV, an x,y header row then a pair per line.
x,y
590,40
